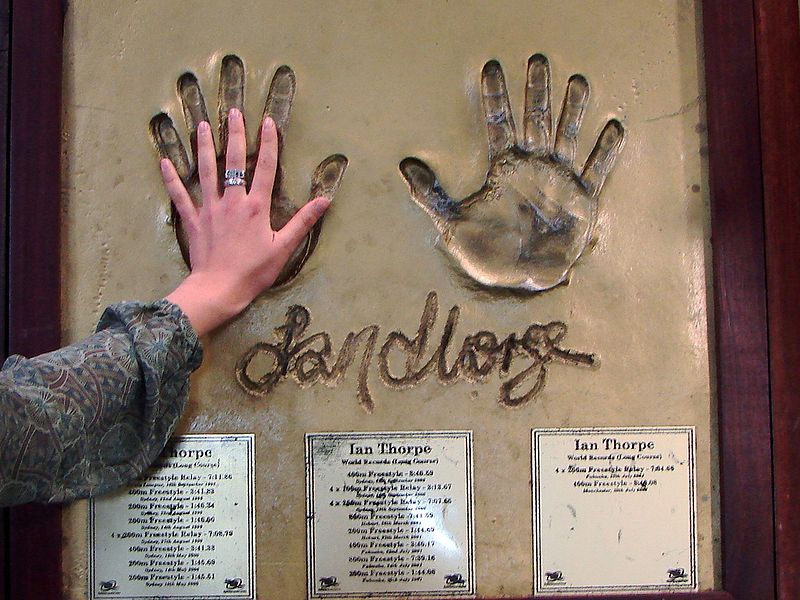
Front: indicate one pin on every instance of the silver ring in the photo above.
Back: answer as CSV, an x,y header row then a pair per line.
x,y
233,181
234,174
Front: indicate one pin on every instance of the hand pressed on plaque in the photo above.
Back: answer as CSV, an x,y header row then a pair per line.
x,y
234,252
324,182
534,217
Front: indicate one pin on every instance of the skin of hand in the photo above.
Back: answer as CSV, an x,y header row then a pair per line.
x,y
234,252
325,179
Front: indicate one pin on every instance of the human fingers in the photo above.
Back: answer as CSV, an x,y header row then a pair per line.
x,y
298,227
236,152
194,107
324,183
169,145
207,163
177,193
264,176
327,176
231,93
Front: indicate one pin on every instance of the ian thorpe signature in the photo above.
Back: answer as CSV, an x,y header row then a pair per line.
x,y
311,359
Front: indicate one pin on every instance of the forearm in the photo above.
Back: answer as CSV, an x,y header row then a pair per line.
x,y
92,416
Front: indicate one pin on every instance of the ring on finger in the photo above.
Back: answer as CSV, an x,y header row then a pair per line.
x,y
234,181
234,177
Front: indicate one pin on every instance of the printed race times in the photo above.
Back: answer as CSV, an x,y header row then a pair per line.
x,y
184,529
628,490
392,514
392,511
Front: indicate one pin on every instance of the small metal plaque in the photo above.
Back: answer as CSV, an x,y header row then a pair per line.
x,y
184,530
390,514
614,510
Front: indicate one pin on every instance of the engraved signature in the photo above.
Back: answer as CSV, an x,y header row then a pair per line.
x,y
309,360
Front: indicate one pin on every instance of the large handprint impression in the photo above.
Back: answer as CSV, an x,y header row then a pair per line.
x,y
324,182
533,218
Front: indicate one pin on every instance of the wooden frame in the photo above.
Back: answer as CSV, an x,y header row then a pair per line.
x,y
31,193
740,299
778,52
752,65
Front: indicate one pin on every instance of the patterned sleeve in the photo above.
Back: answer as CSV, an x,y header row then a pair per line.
x,y
93,416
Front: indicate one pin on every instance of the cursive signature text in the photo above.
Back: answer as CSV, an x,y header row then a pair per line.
x,y
404,362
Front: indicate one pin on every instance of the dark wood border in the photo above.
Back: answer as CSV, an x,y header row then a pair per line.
x,y
778,53
5,41
33,268
740,299
750,71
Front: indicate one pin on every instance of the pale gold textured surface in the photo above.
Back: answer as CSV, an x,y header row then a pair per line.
x,y
379,81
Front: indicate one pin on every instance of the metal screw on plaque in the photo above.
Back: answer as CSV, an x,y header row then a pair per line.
x,y
107,586
554,576
327,582
234,584
454,579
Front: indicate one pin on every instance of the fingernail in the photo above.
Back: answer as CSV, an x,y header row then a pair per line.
x,y
323,203
268,123
234,112
203,126
164,166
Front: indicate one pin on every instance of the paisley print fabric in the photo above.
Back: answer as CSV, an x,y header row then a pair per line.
x,y
93,416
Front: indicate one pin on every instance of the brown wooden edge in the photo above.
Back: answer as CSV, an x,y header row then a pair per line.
x,y
738,246
740,299
33,275
5,32
778,51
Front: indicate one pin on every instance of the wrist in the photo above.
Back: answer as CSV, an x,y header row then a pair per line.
x,y
210,299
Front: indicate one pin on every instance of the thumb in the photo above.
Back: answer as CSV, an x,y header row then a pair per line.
x,y
302,222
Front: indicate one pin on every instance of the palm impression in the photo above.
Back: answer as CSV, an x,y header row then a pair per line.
x,y
534,217
324,182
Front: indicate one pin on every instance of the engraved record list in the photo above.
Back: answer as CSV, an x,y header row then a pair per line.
x,y
390,514
185,529
614,510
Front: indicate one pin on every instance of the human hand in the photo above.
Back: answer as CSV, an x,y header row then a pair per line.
x,y
534,216
234,252
324,182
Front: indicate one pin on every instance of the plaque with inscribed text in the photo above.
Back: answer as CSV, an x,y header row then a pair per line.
x,y
398,315
390,514
185,529
614,510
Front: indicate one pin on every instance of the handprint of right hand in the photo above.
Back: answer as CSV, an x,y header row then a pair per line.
x,y
324,182
534,216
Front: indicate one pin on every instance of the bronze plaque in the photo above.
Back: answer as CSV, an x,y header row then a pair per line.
x,y
519,240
